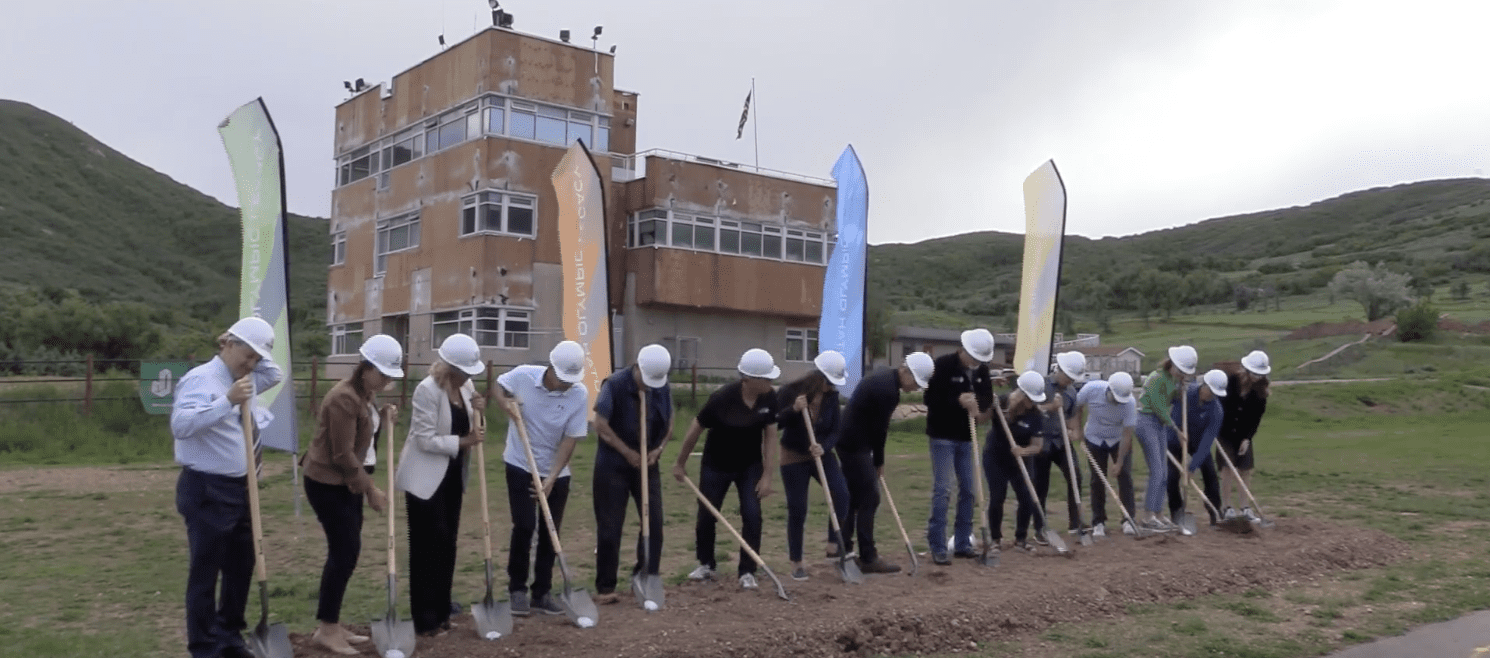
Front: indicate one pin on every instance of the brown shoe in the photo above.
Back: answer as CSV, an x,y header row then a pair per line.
x,y
332,642
878,566
607,599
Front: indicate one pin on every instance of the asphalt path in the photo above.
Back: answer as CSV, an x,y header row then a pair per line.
x,y
1465,637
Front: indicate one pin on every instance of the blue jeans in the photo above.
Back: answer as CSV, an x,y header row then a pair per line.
x,y
949,457
796,480
1152,436
714,485
219,542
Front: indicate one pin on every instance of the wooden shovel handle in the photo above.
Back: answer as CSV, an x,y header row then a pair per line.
x,y
822,475
247,420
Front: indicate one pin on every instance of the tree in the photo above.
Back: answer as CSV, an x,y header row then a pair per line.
x,y
1378,290
1460,290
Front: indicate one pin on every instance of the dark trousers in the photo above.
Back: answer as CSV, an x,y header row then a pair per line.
x,y
220,542
1105,456
527,519
1003,474
714,485
1178,489
863,500
1055,456
616,483
340,513
796,480
434,526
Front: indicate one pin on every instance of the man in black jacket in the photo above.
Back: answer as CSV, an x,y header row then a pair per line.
x,y
961,388
861,448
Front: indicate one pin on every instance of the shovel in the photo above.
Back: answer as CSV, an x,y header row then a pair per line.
x,y
1050,534
1238,525
1084,534
780,591
1261,520
915,564
267,640
1139,532
847,568
393,638
987,558
1186,521
576,602
647,586
493,620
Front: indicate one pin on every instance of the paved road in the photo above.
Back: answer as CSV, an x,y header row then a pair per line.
x,y
1461,638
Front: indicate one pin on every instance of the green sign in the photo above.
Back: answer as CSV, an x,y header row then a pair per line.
x,y
158,384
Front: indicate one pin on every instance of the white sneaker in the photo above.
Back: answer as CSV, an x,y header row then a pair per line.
x,y
1229,514
1128,528
1251,516
703,572
747,581
1099,531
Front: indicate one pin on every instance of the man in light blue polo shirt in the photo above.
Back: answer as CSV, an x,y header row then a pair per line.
x,y
212,492
553,405
1111,414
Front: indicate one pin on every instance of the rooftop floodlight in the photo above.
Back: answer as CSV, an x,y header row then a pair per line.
x,y
564,36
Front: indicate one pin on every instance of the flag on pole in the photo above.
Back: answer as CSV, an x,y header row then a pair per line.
x,y
1044,233
744,115
842,325
257,162
582,250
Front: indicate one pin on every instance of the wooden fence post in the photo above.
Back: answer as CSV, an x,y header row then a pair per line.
x,y
88,387
490,377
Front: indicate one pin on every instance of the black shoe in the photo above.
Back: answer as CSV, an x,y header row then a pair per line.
x,y
547,605
878,565
968,554
941,559
1039,538
236,652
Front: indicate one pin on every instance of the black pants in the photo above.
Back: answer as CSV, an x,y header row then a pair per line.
x,y
434,526
863,500
1003,474
527,519
1177,489
220,542
1055,456
714,485
795,481
1105,456
616,483
340,513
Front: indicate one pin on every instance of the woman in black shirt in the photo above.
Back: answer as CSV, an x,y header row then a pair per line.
x,y
816,393
1026,423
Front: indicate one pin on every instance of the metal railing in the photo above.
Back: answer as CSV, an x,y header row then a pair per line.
x,y
635,166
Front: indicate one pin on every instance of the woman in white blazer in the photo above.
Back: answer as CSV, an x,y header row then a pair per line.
x,y
431,473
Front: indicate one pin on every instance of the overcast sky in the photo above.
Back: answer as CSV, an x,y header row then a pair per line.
x,y
1157,113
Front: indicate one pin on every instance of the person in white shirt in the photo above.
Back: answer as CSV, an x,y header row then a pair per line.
x,y
553,404
1106,415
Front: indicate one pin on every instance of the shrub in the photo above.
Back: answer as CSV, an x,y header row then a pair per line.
x,y
1417,322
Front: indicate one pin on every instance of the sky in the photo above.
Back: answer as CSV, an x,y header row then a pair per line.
x,y
1157,113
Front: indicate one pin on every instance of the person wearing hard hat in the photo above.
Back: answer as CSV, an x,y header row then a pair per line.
x,y
1204,400
817,394
552,403
619,458
1060,392
1242,409
212,491
961,387
861,448
336,481
1026,422
1108,416
740,451
431,472
1160,389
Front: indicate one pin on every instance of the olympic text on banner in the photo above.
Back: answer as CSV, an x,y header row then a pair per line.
x,y
582,250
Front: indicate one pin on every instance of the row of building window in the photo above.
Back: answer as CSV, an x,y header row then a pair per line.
x,y
491,115
483,213
667,228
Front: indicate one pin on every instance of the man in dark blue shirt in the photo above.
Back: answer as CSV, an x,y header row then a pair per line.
x,y
1060,389
1204,402
619,457
961,388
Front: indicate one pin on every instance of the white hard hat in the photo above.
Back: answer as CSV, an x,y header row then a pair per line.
x,y
833,366
654,361
1216,380
384,352
921,367
1257,363
1184,358
758,363
979,343
256,333
461,351
1121,385
1033,386
568,361
1071,363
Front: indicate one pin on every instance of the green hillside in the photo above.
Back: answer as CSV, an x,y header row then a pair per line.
x,y
77,214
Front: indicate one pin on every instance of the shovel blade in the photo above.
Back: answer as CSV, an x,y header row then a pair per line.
x,y
270,641
987,559
389,634
580,607
652,586
1186,522
849,571
1056,542
1238,525
492,617
1085,537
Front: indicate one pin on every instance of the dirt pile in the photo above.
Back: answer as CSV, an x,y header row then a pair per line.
x,y
1351,328
943,609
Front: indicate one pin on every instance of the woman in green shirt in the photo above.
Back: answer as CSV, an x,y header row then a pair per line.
x,y
1160,388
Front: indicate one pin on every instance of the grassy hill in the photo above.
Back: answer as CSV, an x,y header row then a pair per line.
x,y
75,213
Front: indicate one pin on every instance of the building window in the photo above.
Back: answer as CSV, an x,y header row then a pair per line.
x,y
505,328
498,213
551,125
801,344
394,235
338,247
346,338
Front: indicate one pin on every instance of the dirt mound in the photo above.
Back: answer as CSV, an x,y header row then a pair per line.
x,y
1351,328
943,609
1457,326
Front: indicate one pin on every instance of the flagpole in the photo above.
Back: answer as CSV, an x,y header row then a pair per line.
x,y
755,126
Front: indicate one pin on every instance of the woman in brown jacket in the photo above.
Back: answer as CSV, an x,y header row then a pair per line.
x,y
336,483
